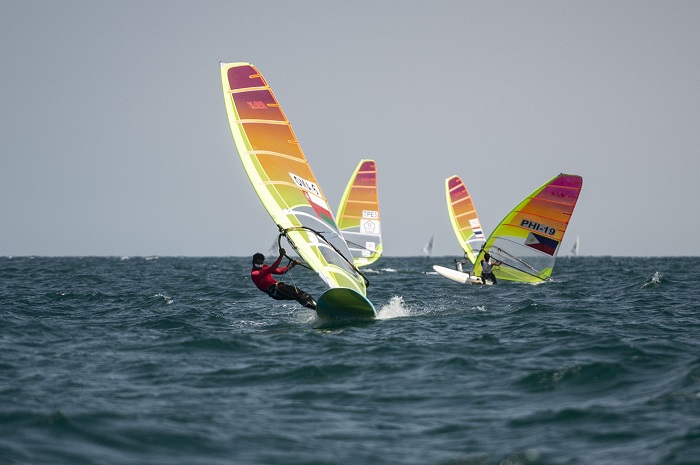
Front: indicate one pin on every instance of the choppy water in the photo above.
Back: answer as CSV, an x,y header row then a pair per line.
x,y
182,361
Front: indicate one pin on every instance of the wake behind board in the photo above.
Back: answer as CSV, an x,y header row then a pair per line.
x,y
459,276
342,302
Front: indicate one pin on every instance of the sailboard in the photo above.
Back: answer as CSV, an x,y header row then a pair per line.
x,y
358,215
527,240
288,189
459,276
464,219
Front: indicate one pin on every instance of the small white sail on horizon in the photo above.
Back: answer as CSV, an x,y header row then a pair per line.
x,y
574,248
428,248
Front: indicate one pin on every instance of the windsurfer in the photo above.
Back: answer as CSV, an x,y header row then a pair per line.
x,y
487,268
261,275
460,262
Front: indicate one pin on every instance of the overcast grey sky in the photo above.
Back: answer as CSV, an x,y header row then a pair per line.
x,y
114,138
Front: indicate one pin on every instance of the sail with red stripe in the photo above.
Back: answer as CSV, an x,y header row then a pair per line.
x,y
282,176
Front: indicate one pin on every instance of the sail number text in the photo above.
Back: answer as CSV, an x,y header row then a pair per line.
x,y
535,226
306,185
257,105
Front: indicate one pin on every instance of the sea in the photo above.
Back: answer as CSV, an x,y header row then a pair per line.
x,y
181,360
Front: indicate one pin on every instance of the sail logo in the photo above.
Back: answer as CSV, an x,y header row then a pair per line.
x,y
369,226
306,185
535,226
476,228
320,207
257,105
542,243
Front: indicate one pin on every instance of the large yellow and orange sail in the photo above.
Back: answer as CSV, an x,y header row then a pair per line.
x,y
529,237
282,177
358,214
465,221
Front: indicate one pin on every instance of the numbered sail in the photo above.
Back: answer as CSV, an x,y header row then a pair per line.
x,y
465,221
282,177
528,238
358,214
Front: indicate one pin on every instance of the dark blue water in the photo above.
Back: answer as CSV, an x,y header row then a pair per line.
x,y
183,361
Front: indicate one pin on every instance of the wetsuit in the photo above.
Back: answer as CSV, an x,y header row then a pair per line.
x,y
262,278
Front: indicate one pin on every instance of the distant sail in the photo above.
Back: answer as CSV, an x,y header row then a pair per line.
x,y
465,221
273,251
528,238
428,248
358,214
574,248
282,177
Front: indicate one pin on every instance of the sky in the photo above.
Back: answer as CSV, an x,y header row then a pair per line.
x,y
114,139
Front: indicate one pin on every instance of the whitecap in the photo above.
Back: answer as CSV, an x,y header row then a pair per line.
x,y
654,280
394,309
165,298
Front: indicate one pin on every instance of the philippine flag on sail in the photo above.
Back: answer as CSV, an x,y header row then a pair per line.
x,y
542,243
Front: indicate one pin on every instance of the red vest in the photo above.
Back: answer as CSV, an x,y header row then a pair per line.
x,y
262,277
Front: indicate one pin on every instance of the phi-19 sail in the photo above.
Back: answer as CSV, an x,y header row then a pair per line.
x,y
529,237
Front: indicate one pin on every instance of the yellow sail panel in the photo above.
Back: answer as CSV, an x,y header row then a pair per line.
x,y
465,221
358,214
282,177
528,238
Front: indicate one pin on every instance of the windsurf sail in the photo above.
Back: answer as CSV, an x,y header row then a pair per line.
x,y
282,177
428,248
463,217
528,238
574,248
358,214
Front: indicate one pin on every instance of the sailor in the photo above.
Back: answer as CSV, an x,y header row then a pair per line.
x,y
487,268
459,262
261,275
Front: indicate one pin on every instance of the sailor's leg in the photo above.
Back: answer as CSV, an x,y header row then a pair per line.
x,y
304,298
294,293
284,292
